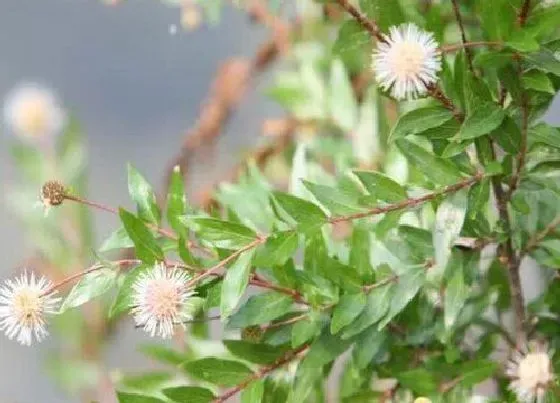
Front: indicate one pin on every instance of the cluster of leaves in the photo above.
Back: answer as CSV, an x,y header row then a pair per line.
x,y
389,264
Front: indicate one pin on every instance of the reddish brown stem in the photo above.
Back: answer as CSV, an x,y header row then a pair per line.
x,y
411,202
261,373
465,45
524,12
463,34
368,24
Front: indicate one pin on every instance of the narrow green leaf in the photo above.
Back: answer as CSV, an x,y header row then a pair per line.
x,y
405,290
254,393
347,309
163,354
254,352
261,308
381,186
123,301
221,234
136,398
420,381
478,197
368,344
508,136
522,41
352,45
498,17
377,305
436,169
298,209
235,282
386,14
190,394
484,119
474,372
544,134
337,201
420,120
218,371
142,194
176,201
279,247
538,81
90,286
544,60
450,216
118,239
305,330
146,246
456,294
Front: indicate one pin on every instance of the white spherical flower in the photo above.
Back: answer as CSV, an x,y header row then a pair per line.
x,y
160,300
531,373
33,111
23,306
407,62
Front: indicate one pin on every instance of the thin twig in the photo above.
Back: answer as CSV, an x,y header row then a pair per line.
x,y
537,238
466,45
363,20
411,202
463,35
524,12
522,154
261,373
435,92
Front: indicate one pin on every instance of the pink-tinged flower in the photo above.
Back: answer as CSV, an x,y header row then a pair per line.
x,y
530,371
408,61
161,300
23,306
33,112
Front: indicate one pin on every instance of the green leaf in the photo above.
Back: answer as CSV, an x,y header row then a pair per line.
x,y
235,282
191,394
377,305
298,209
386,13
253,393
420,120
456,294
522,41
118,239
123,301
253,352
450,216
90,286
352,44
279,247
136,398
474,372
419,380
146,246
342,103
176,201
381,186
368,344
218,371
498,18
347,309
261,308
436,169
478,197
143,195
405,290
538,81
508,136
305,330
221,234
544,134
544,60
337,201
485,118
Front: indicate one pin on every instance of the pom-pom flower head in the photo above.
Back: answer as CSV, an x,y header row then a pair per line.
x,y
160,299
531,373
33,112
407,62
23,306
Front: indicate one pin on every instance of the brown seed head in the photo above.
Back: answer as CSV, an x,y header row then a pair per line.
x,y
53,193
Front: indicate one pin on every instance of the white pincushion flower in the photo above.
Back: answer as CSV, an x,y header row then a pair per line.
x,y
33,111
23,306
530,372
161,299
407,62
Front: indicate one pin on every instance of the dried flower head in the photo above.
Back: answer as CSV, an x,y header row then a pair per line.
x,y
33,112
160,300
408,62
530,371
23,306
53,193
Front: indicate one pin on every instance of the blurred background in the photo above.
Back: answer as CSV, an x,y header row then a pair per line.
x,y
135,81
